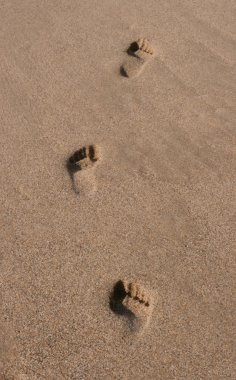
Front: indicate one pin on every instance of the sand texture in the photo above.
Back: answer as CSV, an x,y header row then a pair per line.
x,y
153,211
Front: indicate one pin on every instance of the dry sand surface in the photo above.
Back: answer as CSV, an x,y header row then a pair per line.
x,y
122,269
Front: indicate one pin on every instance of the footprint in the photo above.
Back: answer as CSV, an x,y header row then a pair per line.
x,y
140,52
81,168
133,302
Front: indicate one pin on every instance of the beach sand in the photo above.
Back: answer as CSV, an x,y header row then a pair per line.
x,y
156,211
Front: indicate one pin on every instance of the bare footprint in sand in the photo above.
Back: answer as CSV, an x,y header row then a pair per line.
x,y
140,52
133,302
81,167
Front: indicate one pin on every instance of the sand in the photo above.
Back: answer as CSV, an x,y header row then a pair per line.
x,y
157,211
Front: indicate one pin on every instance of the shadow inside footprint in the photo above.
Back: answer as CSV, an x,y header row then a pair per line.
x,y
123,72
72,168
133,48
116,300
